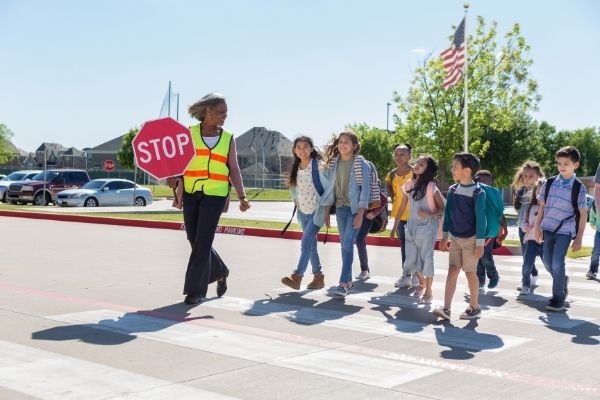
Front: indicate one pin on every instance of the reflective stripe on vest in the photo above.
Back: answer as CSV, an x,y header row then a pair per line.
x,y
208,172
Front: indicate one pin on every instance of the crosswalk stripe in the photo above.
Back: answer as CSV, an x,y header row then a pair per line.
x,y
51,376
524,315
544,281
447,336
369,370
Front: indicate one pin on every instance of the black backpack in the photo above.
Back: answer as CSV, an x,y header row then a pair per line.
x,y
574,196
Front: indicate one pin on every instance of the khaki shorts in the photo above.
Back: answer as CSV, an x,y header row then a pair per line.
x,y
461,254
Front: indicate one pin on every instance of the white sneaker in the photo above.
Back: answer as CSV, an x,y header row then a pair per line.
x,y
534,280
342,291
364,275
415,281
525,291
590,275
403,282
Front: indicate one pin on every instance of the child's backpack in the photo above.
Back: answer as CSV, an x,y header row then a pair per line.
x,y
574,196
494,207
380,221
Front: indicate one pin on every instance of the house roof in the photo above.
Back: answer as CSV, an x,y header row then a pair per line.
x,y
112,146
259,138
56,147
72,151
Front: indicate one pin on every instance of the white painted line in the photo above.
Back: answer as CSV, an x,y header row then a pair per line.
x,y
373,371
51,376
518,314
450,336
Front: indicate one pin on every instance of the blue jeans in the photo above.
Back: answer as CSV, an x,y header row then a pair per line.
x,y
361,243
486,263
534,271
532,249
555,251
595,253
345,220
402,237
308,245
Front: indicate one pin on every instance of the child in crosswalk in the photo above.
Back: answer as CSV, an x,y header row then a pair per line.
x,y
426,207
465,222
306,186
526,178
347,188
532,247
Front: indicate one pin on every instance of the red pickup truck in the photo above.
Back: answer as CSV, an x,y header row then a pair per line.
x,y
44,187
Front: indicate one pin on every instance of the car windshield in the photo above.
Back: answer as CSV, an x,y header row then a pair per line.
x,y
93,185
46,176
15,176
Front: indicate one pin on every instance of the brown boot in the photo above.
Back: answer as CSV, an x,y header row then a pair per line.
x,y
318,282
292,281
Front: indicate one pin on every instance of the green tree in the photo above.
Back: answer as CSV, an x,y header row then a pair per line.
x,y
376,146
125,154
6,150
500,94
587,140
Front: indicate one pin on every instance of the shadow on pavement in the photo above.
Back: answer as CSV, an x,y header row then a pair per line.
x,y
296,308
446,335
110,332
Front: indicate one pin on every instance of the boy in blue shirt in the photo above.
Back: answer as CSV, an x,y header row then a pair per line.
x,y
557,222
465,223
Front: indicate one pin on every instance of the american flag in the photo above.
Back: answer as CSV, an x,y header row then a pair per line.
x,y
453,58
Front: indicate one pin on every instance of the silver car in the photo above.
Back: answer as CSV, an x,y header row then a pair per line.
x,y
23,175
105,192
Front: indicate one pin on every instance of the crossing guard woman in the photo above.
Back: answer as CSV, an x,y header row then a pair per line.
x,y
206,191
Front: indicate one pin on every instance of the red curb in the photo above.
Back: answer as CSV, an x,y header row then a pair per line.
x,y
225,229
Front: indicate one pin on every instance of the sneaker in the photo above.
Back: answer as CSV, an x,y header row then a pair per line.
x,y
482,286
364,275
591,275
415,281
525,291
555,304
403,282
442,312
534,279
342,291
566,286
471,313
493,282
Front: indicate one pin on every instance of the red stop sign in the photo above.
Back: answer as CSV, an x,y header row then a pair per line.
x,y
163,148
109,165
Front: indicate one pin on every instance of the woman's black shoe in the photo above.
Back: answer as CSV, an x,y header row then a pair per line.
x,y
222,285
191,299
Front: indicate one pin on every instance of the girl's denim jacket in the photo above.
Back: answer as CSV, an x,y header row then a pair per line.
x,y
318,218
359,194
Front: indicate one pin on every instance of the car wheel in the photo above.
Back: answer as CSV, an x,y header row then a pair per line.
x,y
41,199
139,202
4,200
90,202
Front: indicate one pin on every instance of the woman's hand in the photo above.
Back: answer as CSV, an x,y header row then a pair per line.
x,y
370,215
244,205
358,221
327,219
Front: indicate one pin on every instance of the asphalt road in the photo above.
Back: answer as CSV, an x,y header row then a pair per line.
x,y
94,312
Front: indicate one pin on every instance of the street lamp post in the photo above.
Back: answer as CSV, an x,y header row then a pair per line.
x,y
387,119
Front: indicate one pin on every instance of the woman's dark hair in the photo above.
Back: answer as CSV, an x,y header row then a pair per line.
x,y
293,174
420,187
332,148
198,109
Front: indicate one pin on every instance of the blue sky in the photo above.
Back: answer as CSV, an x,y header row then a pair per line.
x,y
80,72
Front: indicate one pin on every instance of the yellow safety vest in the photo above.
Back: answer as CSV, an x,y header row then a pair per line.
x,y
208,172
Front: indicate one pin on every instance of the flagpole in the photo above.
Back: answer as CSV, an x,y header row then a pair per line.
x,y
466,94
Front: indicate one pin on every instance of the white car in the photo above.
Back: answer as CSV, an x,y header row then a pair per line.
x,y
24,175
105,192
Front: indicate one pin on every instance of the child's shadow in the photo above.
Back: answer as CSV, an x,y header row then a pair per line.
x,y
583,332
404,319
464,346
122,329
293,307
487,300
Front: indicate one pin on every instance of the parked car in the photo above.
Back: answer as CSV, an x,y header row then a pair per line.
x,y
105,192
23,175
44,187
2,176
